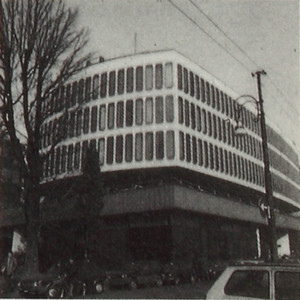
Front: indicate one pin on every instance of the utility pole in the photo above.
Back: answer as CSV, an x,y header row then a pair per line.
x,y
268,182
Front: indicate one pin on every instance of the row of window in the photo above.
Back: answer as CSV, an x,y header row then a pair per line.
x,y
158,145
279,163
109,116
118,149
277,141
115,82
204,121
197,87
216,158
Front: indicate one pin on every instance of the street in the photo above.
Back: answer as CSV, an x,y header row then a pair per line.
x,y
182,291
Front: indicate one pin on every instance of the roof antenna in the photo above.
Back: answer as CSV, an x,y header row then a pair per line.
x,y
135,43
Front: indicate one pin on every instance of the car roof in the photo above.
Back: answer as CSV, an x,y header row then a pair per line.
x,y
261,263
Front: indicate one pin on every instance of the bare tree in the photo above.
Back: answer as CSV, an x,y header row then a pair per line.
x,y
40,50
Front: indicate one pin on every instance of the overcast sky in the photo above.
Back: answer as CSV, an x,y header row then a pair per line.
x,y
265,35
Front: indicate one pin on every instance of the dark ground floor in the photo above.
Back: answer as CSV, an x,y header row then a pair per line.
x,y
161,223
162,236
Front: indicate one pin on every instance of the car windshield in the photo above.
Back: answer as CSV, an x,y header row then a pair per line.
x,y
249,283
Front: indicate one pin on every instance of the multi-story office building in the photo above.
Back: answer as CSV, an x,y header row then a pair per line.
x,y
181,184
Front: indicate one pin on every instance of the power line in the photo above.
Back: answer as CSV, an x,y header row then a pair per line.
x,y
242,50
205,32
226,35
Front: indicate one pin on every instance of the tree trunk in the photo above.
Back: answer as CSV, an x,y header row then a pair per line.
x,y
32,230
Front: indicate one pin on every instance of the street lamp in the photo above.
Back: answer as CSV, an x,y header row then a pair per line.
x,y
268,206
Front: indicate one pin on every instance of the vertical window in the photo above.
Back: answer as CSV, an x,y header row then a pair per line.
x,y
68,96
215,127
187,113
221,160
94,118
218,99
202,90
129,113
95,87
74,93
128,147
77,156
209,123
219,129
110,150
80,91
84,148
139,79
211,156
139,111
169,109
180,110
197,87
159,145
231,108
168,75
206,155
188,148
179,76
88,89
51,163
226,161
71,124
119,148
120,114
158,76
170,144
192,84
198,118
204,124
213,99
57,160
217,158
149,77
207,93
121,81
194,150
103,85
224,131
70,157
159,110
222,103
185,80
101,148
149,110
129,80
149,146
226,104
138,146
102,117
200,151
181,146
79,123
230,163
193,118
112,83
111,115
63,158
86,120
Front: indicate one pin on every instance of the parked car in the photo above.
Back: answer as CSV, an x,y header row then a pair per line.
x,y
86,278
147,273
121,278
258,280
40,284
176,272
